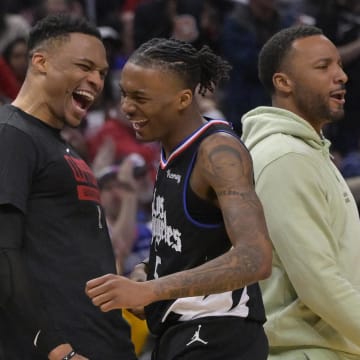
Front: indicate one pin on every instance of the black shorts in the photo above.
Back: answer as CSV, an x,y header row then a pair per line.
x,y
213,338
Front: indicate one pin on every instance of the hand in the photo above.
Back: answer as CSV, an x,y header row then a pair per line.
x,y
138,274
105,155
139,312
126,174
62,350
111,292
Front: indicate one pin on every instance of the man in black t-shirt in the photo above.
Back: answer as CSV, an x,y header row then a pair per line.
x,y
53,232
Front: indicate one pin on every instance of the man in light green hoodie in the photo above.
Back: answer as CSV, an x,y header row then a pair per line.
x,y
312,298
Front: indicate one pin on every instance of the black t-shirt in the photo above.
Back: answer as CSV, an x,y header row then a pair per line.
x,y
66,241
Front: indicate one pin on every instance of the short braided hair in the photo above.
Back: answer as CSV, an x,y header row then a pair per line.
x,y
195,67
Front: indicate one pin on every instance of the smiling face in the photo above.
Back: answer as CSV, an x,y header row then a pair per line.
x,y
154,101
72,74
316,80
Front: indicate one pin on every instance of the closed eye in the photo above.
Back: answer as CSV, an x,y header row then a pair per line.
x,y
140,100
322,67
84,67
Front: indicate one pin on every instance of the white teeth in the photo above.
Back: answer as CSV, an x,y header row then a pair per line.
x,y
87,95
138,124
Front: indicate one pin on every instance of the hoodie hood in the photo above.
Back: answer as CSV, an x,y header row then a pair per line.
x,y
265,121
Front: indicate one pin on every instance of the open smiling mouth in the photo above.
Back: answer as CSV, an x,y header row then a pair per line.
x,y
339,96
137,125
83,99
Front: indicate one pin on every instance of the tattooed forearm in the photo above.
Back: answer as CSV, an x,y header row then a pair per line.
x,y
235,269
243,195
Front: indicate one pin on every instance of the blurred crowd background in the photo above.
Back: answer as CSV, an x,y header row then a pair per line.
x,y
235,30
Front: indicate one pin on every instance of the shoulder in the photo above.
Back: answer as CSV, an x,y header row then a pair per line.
x,y
222,141
280,146
12,119
224,155
15,129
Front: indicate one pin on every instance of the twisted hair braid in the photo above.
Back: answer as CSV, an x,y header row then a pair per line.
x,y
195,67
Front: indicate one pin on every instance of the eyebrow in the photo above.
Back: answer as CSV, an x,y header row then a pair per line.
x,y
134,92
328,60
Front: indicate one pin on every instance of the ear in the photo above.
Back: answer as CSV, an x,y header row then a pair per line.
x,y
39,62
185,99
282,83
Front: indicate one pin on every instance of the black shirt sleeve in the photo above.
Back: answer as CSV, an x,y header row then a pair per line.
x,y
18,295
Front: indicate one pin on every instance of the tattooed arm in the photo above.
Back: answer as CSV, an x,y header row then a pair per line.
x,y
222,174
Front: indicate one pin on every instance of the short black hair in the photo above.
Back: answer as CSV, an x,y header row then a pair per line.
x,y
195,67
275,50
60,26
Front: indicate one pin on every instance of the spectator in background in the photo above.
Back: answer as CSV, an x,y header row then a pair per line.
x,y
75,8
167,18
245,30
106,9
211,22
153,19
126,194
9,86
312,299
12,26
16,56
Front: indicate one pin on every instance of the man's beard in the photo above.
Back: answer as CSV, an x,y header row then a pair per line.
x,y
318,110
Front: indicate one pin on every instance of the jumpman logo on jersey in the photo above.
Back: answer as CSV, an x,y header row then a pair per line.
x,y
196,337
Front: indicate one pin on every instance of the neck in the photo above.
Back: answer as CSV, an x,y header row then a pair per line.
x,y
33,102
188,123
283,103
27,99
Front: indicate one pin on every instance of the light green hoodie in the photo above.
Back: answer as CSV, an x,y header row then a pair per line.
x,y
312,298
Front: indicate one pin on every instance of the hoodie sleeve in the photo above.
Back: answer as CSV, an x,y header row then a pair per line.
x,y
298,214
